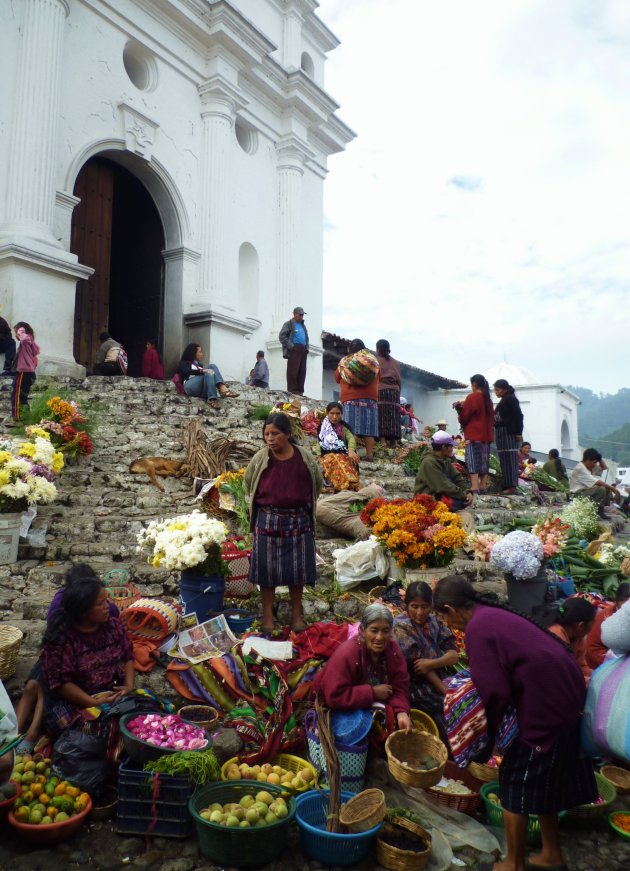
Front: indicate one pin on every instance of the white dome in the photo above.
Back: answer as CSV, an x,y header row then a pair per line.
x,y
517,376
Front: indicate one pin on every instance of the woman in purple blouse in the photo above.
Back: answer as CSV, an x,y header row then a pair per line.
x,y
86,657
515,662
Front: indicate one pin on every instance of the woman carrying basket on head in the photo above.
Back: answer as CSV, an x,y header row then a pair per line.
x,y
358,377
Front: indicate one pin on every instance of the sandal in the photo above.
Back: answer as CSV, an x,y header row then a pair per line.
x,y
214,403
228,394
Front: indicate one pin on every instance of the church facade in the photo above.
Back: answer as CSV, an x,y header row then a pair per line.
x,y
161,176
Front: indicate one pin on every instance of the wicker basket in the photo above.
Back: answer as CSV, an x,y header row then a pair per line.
x,y
237,583
586,813
123,595
407,747
375,593
423,722
483,772
150,619
396,859
619,777
10,641
466,804
364,811
286,761
201,715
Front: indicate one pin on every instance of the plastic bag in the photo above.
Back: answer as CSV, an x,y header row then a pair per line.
x,y
606,718
360,562
8,719
80,758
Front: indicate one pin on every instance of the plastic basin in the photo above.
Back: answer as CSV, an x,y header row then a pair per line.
x,y
142,751
53,833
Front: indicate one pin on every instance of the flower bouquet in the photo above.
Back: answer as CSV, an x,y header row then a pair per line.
x,y
482,544
553,535
531,472
581,515
190,541
23,480
520,554
418,532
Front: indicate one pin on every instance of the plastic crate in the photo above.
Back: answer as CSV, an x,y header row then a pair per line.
x,y
152,804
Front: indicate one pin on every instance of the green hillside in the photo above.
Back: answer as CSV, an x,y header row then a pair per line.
x,y
604,422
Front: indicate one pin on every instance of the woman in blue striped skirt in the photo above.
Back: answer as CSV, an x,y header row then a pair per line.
x,y
508,433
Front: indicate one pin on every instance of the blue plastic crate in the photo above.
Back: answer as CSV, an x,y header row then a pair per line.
x,y
155,804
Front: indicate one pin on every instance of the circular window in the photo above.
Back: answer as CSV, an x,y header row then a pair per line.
x,y
246,136
140,66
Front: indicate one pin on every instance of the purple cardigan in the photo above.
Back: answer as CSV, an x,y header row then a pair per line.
x,y
513,661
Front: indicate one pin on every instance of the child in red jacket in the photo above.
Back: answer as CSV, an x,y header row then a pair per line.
x,y
25,366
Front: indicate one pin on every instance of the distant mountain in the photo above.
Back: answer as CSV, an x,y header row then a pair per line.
x,y
603,416
615,445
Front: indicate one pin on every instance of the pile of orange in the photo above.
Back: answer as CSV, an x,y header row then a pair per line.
x,y
45,798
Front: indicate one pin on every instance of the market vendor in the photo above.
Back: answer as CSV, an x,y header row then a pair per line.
x,y
368,668
86,657
336,448
428,647
596,650
515,662
437,476
583,481
571,622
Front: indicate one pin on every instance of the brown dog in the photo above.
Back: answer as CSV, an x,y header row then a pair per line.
x,y
154,466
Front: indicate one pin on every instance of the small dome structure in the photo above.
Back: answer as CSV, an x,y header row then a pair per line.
x,y
517,376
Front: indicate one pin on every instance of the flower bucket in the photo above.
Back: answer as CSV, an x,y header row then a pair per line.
x,y
10,525
201,593
524,594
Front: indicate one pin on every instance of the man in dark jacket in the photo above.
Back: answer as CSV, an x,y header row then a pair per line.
x,y
294,340
438,477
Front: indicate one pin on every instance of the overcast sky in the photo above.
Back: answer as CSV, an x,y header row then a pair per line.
x,y
483,211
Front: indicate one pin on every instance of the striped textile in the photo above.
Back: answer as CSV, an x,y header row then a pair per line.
x,y
533,782
283,554
361,415
507,449
465,716
389,413
477,458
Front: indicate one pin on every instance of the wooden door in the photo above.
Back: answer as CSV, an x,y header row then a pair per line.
x,y
91,241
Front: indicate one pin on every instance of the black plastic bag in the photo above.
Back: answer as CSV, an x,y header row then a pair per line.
x,y
80,758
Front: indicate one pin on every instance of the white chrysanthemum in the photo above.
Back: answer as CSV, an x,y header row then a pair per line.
x,y
18,467
41,491
181,542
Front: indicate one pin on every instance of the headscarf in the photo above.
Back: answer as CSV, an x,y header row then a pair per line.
x,y
331,437
376,612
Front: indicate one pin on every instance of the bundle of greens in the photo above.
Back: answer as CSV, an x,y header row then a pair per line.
x,y
199,767
540,477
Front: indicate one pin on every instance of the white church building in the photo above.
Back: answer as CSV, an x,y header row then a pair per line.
x,y
161,176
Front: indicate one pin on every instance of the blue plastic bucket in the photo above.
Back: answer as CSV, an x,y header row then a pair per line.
x,y
327,847
567,588
239,620
201,594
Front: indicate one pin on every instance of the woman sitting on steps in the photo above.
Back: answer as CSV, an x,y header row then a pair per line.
x,y
205,383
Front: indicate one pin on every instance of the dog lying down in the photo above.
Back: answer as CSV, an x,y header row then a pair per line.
x,y
154,466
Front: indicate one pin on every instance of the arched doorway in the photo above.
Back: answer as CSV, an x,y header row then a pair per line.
x,y
117,230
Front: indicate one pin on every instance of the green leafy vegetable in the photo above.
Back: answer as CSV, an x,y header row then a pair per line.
x,y
198,766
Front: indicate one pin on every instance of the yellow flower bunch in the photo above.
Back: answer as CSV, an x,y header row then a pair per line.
x,y
57,462
27,449
5,456
61,409
37,432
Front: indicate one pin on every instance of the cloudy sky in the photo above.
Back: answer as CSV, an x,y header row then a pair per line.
x,y
483,212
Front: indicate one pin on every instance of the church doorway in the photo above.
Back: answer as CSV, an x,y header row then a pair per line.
x,y
117,230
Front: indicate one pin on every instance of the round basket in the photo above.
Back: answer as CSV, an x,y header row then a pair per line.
x,y
404,749
481,771
10,641
150,619
613,821
123,595
586,813
53,833
397,858
139,750
246,847
286,761
364,811
619,777
466,804
375,593
200,715
423,722
329,848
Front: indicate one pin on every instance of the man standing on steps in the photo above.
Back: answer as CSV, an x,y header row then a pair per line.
x,y
294,340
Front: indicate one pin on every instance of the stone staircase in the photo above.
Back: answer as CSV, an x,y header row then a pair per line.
x,y
101,506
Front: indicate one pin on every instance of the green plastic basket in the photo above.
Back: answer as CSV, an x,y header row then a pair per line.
x,y
243,848
494,813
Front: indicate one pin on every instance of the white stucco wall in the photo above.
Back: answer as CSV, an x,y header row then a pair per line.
x,y
94,85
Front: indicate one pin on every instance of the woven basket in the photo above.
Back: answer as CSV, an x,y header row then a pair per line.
x,y
375,593
123,595
588,812
150,619
201,715
619,777
237,583
10,641
483,772
423,722
407,747
396,859
466,804
364,811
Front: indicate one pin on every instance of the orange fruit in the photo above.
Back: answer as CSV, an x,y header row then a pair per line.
x,y
37,789
73,791
60,789
44,799
52,812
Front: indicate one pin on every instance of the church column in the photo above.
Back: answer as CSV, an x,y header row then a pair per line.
x,y
31,188
219,104
290,168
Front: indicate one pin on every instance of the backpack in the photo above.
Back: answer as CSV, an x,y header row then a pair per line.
x,y
359,369
123,360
